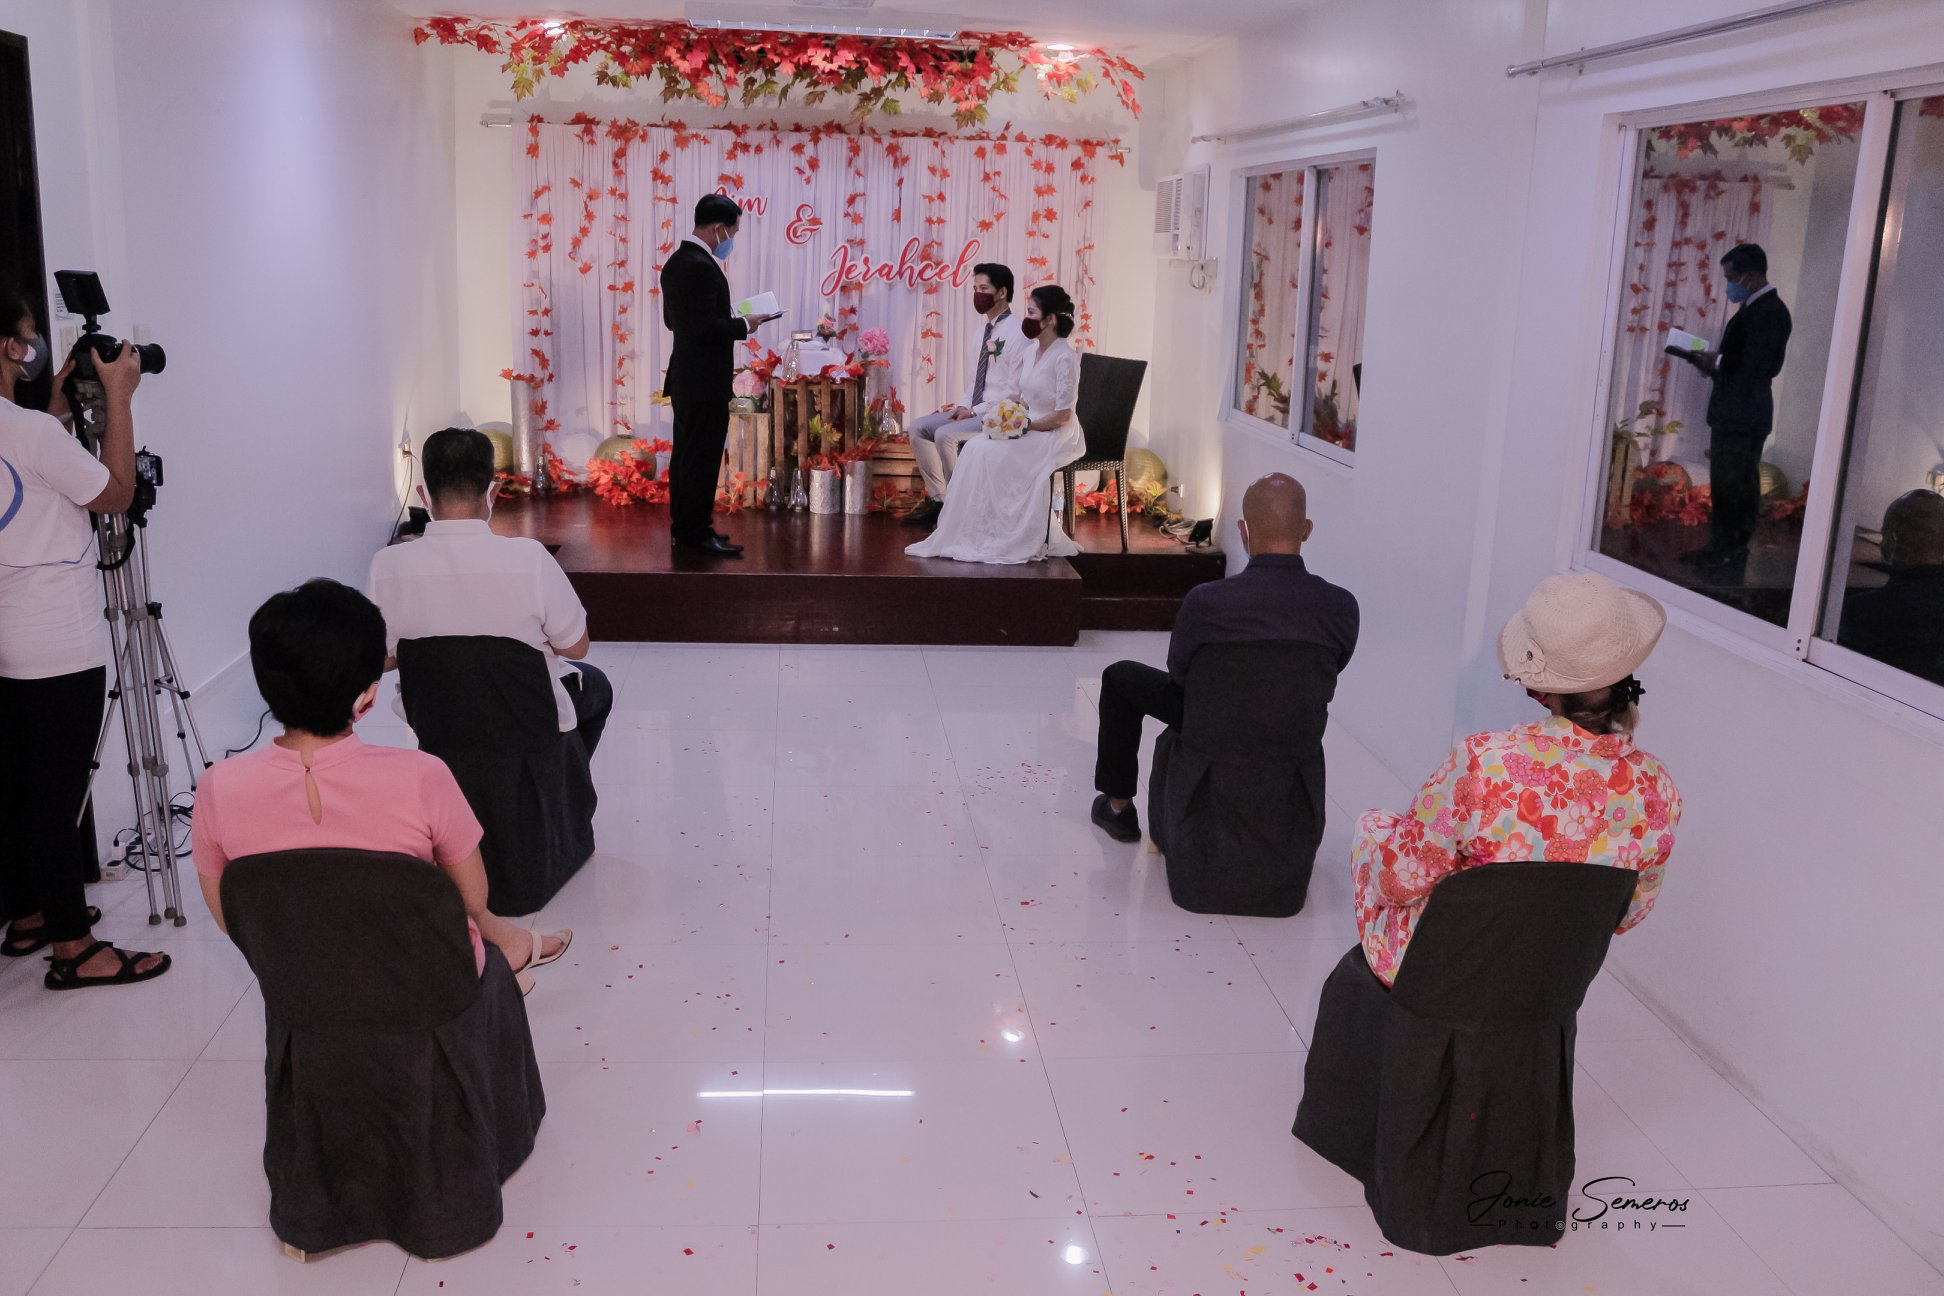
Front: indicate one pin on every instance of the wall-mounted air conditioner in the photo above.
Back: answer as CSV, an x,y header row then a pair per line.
x,y
1180,215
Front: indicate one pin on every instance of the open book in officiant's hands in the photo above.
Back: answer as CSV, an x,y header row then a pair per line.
x,y
760,307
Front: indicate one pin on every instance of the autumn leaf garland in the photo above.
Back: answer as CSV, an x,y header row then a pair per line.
x,y
718,67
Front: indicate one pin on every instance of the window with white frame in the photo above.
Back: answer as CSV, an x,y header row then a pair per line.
x,y
1773,426
1305,268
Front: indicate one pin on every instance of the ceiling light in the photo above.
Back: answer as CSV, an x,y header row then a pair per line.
x,y
806,1093
1074,1255
1060,48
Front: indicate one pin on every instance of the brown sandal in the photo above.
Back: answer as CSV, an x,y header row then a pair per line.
x,y
65,974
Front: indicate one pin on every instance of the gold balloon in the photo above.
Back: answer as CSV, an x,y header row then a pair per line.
x,y
616,448
502,438
1147,476
1775,483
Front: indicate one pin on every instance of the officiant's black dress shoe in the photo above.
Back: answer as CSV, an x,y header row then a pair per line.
x,y
1121,825
926,514
712,544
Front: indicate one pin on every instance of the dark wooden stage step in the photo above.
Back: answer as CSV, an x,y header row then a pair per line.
x,y
806,578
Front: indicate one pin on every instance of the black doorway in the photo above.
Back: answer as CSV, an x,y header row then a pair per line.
x,y
23,261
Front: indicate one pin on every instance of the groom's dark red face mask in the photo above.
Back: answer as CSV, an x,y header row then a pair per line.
x,y
983,302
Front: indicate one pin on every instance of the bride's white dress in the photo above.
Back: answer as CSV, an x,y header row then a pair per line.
x,y
999,506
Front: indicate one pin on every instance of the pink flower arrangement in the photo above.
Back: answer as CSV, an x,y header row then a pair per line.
x,y
874,342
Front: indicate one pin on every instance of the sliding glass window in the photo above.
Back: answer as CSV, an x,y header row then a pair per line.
x,y
1305,278
1772,452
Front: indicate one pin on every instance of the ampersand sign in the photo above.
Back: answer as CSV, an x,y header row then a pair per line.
x,y
806,224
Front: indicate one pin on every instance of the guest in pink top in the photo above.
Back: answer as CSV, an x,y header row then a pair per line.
x,y
318,651
1572,787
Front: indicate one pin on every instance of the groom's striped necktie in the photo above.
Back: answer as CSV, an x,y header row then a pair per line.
x,y
985,359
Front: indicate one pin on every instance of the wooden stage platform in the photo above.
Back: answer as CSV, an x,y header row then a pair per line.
x,y
806,578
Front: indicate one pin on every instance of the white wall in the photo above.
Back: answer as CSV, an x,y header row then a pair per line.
x,y
1792,942
263,184
1778,945
1451,179
490,251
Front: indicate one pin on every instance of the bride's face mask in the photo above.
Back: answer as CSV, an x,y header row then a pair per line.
x,y
1031,327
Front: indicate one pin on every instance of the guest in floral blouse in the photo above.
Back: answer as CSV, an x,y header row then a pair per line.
x,y
1569,788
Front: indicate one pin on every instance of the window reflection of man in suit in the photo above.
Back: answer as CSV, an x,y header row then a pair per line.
x,y
1902,622
1741,408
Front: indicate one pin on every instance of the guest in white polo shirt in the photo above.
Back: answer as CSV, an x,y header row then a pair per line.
x,y
54,656
461,579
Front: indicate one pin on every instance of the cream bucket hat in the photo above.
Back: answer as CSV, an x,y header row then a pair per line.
x,y
1578,632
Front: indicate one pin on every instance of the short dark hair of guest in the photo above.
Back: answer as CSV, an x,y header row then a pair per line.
x,y
457,463
717,209
14,307
1745,257
999,276
314,649
1056,307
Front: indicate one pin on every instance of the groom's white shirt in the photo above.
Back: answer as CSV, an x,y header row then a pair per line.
x,y
1002,374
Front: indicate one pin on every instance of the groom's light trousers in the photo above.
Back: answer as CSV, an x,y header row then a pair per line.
x,y
935,442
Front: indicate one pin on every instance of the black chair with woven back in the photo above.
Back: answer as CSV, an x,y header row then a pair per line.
x,y
485,706
1449,1095
400,1080
1109,388
1235,800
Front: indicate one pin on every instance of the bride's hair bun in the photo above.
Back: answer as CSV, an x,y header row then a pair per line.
x,y
1056,306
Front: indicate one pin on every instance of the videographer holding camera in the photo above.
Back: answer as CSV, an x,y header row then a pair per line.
x,y
54,654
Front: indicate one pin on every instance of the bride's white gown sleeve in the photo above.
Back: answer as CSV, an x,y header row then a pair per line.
x,y
999,509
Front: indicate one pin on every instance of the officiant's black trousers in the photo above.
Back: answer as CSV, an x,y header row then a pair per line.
x,y
1129,693
701,431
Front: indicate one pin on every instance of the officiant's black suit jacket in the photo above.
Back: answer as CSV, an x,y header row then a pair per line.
x,y
1753,346
695,306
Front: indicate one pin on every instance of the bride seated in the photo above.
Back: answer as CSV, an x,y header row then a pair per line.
x,y
1000,509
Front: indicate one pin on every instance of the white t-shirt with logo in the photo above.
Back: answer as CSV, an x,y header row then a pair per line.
x,y
50,589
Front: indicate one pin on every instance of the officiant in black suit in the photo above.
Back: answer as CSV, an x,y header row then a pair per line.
x,y
1741,407
701,371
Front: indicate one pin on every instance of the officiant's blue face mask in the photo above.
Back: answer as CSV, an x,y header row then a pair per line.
x,y
721,249
1737,291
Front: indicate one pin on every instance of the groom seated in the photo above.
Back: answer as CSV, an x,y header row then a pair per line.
x,y
1275,598
461,579
936,438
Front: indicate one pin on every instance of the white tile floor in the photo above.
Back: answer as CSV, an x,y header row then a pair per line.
x,y
861,1004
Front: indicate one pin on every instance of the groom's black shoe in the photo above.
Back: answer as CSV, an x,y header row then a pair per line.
x,y
1121,825
712,544
926,514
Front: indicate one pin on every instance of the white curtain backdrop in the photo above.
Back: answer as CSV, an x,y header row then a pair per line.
x,y
607,201
1681,226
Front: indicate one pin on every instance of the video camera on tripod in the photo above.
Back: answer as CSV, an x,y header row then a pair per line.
x,y
144,663
82,294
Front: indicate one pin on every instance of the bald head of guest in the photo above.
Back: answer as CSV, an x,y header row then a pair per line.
x,y
1275,516
1913,530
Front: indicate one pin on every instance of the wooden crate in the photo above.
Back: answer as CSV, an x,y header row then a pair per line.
x,y
892,465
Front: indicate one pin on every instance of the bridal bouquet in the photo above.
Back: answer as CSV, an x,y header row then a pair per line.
x,y
1006,421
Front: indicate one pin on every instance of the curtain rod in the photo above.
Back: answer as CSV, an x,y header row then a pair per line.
x,y
1734,22
1390,103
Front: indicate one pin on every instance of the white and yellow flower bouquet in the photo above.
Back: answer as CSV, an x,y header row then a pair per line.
x,y
1006,421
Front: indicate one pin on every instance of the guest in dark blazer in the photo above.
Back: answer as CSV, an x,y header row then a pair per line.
x,y
701,369
1901,623
1741,408
1274,598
